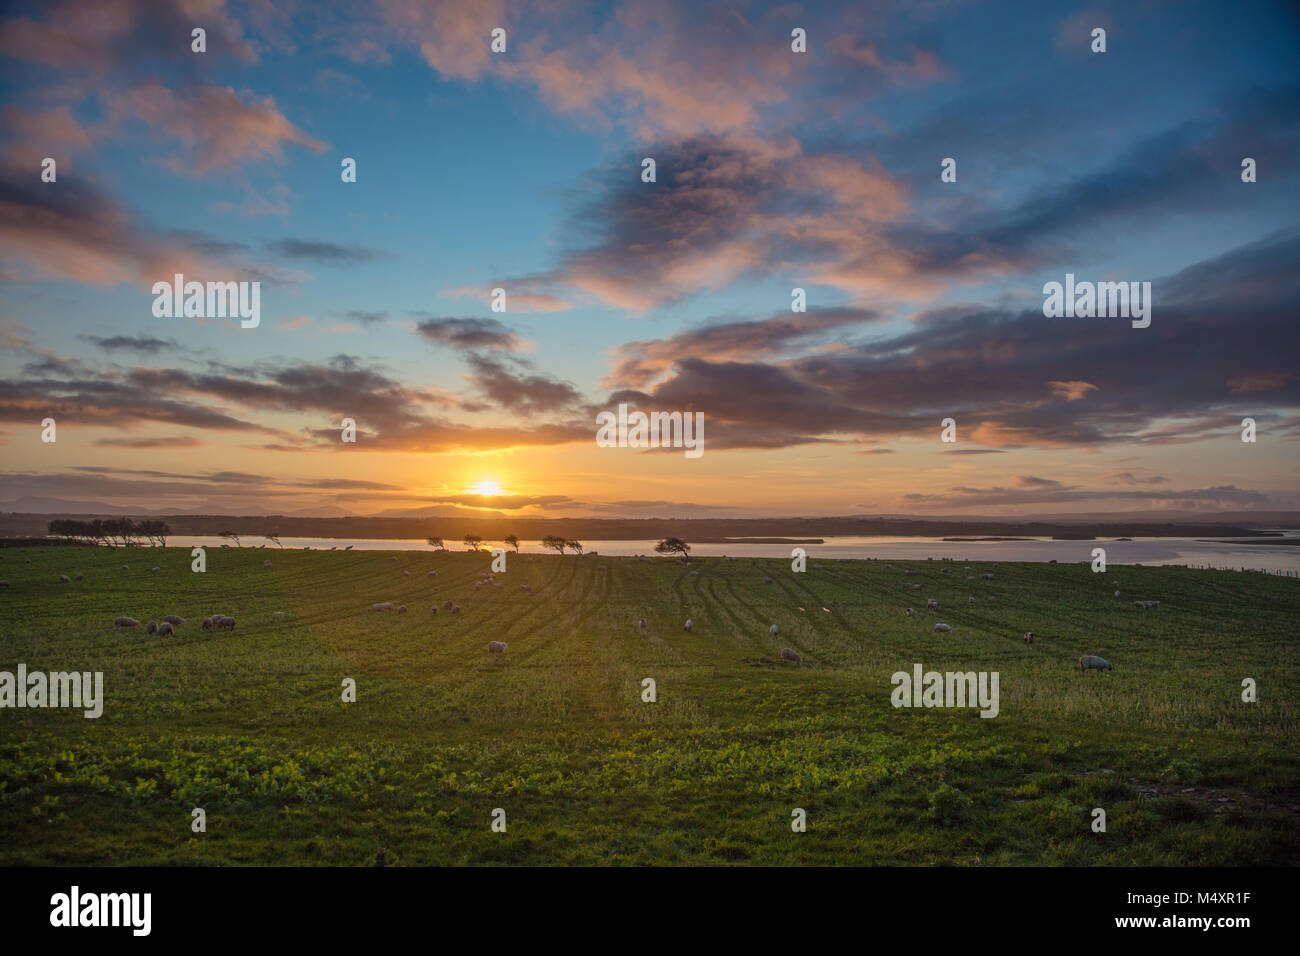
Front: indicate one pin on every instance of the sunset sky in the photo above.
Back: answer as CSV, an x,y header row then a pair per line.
x,y
775,170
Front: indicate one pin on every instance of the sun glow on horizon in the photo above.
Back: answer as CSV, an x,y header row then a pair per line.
x,y
486,488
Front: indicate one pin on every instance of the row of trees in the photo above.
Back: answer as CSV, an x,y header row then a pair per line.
x,y
558,544
112,532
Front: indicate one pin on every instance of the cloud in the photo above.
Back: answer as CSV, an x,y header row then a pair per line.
x,y
523,392
470,334
328,253
172,441
147,344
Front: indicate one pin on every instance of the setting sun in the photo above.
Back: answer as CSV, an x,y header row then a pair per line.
x,y
488,489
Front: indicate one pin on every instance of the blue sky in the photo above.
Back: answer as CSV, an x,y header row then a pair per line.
x,y
776,169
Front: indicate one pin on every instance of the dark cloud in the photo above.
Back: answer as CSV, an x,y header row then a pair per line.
x,y
470,334
327,253
137,343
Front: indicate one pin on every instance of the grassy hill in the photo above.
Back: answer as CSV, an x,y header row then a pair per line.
x,y
250,725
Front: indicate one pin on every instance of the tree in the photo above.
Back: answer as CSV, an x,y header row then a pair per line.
x,y
674,546
274,539
232,535
555,543
436,544
155,531
473,540
511,540
574,546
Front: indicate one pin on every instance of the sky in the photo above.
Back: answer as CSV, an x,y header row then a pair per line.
x,y
775,169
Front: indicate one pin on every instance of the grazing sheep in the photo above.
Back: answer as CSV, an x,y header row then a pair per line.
x,y
1091,663
989,598
207,624
643,625
931,604
1145,605
153,570
151,627
987,577
942,628
165,629
908,571
790,654
224,621
447,606
1116,594
126,622
382,606
277,614
767,580
971,599
434,608
695,572
910,612
173,620
774,630
817,566
455,609
124,567
497,647
689,624
524,587
393,558
1029,637
64,579
78,577
401,609
406,574
432,574
266,564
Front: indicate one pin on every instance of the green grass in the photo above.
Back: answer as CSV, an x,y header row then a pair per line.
x,y
250,725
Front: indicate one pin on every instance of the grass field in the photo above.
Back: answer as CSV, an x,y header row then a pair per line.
x,y
250,724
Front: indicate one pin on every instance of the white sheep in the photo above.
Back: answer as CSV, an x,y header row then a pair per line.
x,y
931,604
942,628
64,579
1116,594
401,609
790,654
406,574
773,630
1090,663
767,580
153,570
971,599
455,609
266,564
434,608
432,574
224,621
910,612
173,620
277,614
689,624
382,606
126,622
497,647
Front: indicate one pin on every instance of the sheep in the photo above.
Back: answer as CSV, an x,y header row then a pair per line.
x,y
165,629
126,622
643,625
942,628
433,608
401,609
277,614
817,566
455,609
1116,594
432,574
689,624
497,647
151,627
1090,663
987,577
393,558
266,563
931,604
207,624
4,584
224,621
382,606
767,580
1029,637
78,577
790,654
173,620
64,579
153,570
773,630
447,606
124,567
971,599
406,574
910,612
695,572
524,587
